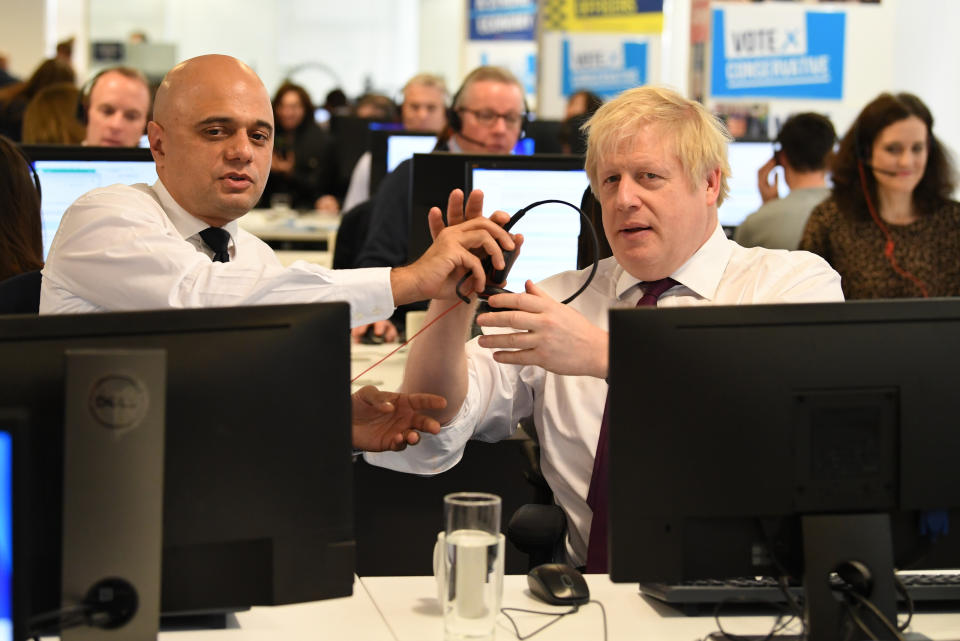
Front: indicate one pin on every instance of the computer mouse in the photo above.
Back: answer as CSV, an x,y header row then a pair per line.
x,y
370,338
558,584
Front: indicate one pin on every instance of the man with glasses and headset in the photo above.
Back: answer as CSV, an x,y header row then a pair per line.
x,y
486,117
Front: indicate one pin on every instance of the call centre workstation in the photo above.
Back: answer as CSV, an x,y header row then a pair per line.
x,y
191,473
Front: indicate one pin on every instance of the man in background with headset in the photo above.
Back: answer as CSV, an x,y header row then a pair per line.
x,y
114,107
657,163
424,108
486,117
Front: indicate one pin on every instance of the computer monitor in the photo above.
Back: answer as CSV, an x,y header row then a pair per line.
x,y
67,172
389,148
13,426
737,432
551,232
258,499
545,134
746,159
435,175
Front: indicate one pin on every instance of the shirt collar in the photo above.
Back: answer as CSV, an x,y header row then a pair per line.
x,y
701,273
187,224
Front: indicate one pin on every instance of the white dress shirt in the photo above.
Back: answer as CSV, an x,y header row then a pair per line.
x,y
133,247
567,410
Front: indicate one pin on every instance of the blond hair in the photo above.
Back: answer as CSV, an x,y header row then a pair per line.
x,y
431,80
700,139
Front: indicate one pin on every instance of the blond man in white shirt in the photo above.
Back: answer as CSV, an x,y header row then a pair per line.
x,y
657,164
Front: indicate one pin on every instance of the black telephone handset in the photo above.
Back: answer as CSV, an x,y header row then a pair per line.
x,y
498,276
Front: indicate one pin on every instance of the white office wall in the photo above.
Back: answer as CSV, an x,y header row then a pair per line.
x,y
23,35
925,60
358,44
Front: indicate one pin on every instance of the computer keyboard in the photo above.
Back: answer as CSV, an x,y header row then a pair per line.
x,y
925,587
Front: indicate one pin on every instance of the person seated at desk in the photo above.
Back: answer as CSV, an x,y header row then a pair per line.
x,y
304,166
890,227
486,118
177,243
806,143
51,117
21,230
423,109
14,98
115,106
657,163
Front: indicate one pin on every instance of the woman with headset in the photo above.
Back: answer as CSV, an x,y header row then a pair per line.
x,y
890,227
21,236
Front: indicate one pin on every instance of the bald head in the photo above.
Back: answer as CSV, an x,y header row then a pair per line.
x,y
202,76
212,137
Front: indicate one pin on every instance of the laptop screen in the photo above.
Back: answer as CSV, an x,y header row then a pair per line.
x,y
550,231
67,172
63,181
746,158
399,148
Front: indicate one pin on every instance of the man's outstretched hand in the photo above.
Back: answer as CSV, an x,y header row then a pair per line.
x,y
391,420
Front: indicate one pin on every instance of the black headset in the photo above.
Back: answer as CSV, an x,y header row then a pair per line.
x,y
33,171
510,256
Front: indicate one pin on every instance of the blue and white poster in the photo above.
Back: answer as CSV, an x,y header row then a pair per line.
x,y
604,65
777,52
503,19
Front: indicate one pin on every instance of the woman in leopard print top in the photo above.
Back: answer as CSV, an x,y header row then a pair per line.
x,y
909,178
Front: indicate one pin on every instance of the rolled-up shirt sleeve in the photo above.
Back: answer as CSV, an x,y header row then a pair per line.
x,y
496,400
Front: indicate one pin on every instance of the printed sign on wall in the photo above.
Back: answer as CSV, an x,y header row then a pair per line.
x,y
605,65
635,16
777,52
503,19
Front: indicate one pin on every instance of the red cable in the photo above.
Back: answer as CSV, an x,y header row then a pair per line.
x,y
889,245
406,342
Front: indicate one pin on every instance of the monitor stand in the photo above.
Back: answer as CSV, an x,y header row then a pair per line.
x,y
115,403
858,547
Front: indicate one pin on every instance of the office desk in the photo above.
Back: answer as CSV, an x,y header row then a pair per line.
x,y
354,617
387,375
411,609
294,236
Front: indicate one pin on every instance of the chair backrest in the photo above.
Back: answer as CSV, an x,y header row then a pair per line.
x,y
20,294
351,235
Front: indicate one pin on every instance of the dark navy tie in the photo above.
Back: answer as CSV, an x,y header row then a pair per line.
x,y
597,497
217,239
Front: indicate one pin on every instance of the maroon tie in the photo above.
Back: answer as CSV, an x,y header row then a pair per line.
x,y
597,497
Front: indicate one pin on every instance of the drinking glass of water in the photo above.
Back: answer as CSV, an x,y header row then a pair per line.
x,y
472,565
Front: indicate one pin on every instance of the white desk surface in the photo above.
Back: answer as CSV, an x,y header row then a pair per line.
x,y
411,609
354,617
387,375
270,224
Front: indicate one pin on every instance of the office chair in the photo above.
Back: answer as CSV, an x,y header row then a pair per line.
x,y
537,529
20,294
351,235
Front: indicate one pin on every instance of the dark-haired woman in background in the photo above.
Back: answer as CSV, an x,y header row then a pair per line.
x,y
51,117
889,226
21,237
14,98
303,161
